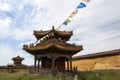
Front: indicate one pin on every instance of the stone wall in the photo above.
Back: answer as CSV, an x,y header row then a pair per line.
x,y
106,62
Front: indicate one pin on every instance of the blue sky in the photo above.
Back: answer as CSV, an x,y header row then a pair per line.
x,y
96,27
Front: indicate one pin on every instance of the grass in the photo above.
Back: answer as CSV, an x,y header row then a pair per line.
x,y
87,75
24,75
99,75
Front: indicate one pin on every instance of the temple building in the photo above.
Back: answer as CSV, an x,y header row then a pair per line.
x,y
53,51
17,61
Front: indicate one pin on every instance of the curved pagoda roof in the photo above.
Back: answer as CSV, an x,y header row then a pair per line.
x,y
17,58
51,45
64,35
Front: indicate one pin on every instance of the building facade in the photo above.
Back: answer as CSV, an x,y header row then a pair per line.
x,y
52,51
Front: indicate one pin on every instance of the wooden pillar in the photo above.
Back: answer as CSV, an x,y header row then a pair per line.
x,y
53,66
35,63
53,63
38,64
67,65
70,65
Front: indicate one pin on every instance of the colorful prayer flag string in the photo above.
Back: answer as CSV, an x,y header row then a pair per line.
x,y
80,6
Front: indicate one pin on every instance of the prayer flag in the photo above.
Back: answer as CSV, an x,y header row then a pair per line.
x,y
66,21
38,41
44,37
47,36
73,13
41,39
81,5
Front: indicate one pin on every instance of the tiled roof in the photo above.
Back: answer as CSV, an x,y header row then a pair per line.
x,y
99,54
18,58
61,34
57,44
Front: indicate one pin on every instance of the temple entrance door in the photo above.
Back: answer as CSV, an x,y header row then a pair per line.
x,y
60,64
46,62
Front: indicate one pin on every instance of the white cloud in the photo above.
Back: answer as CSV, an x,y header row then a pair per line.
x,y
4,6
5,28
21,34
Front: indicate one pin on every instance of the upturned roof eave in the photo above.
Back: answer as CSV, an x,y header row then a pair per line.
x,y
56,46
43,33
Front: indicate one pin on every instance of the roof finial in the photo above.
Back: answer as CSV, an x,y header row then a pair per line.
x,y
53,27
